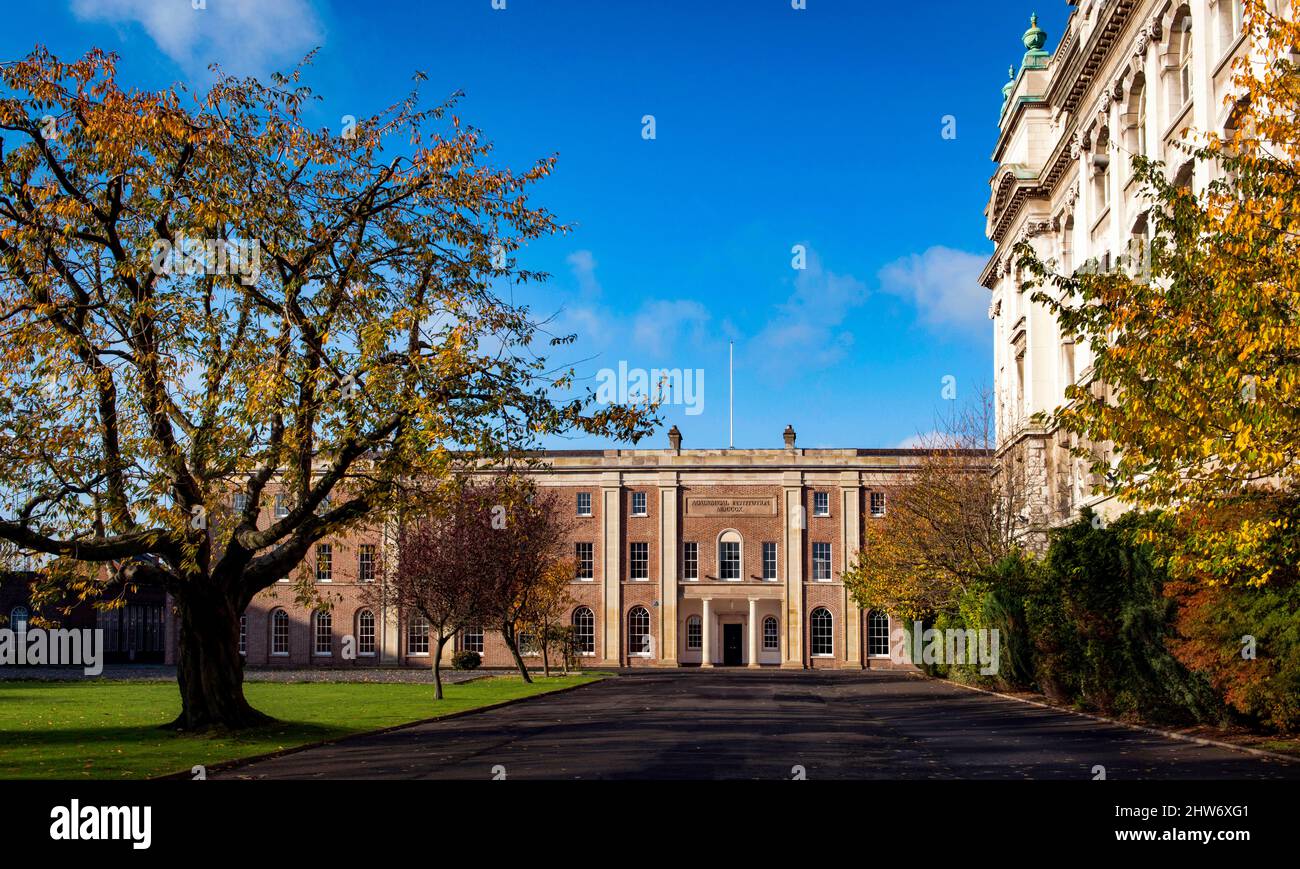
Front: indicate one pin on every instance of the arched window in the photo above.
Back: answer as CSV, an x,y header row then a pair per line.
x,y
1183,39
729,562
771,638
279,633
1135,119
584,631
18,620
1101,171
823,634
878,634
694,634
323,630
1230,24
638,631
366,633
417,635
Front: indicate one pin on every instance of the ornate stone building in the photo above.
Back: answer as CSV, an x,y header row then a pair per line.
x,y
1128,77
706,557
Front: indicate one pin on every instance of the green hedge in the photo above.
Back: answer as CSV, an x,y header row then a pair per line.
x,y
1088,625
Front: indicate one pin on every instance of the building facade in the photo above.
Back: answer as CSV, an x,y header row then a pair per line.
x,y
686,558
1127,78
135,631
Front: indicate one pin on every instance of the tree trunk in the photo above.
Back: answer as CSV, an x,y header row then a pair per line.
x,y
512,643
209,668
437,668
546,650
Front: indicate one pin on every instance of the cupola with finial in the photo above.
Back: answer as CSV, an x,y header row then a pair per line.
x,y
1010,85
1035,38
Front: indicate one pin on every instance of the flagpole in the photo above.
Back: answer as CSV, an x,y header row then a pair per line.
x,y
731,395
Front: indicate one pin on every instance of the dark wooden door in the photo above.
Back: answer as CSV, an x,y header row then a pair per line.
x,y
731,639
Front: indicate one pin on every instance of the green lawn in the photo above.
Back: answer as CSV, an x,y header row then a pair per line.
x,y
110,730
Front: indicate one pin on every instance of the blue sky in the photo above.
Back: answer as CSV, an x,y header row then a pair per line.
x,y
774,127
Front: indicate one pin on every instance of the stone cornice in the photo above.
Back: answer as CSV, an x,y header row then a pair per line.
x,y
1065,91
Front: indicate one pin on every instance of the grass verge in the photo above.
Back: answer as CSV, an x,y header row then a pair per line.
x,y
110,730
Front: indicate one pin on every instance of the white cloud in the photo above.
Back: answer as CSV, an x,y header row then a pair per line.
x,y
943,285
243,36
927,440
807,331
660,324
657,329
583,265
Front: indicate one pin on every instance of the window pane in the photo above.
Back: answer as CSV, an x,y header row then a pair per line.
x,y
729,559
586,560
821,562
639,561
822,634
324,633
324,562
417,635
473,640
366,563
280,633
366,633
878,634
584,631
638,631
694,634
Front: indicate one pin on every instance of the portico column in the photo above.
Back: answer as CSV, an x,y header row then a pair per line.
x,y
753,632
706,649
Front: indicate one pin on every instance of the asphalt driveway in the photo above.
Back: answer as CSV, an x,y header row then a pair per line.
x,y
741,724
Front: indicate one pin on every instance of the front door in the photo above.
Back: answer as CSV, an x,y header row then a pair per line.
x,y
731,645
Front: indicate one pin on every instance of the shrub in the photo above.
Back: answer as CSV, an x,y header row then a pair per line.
x,y
1105,626
1213,624
1003,608
466,660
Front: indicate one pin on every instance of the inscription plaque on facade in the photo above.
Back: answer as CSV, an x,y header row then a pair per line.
x,y
701,505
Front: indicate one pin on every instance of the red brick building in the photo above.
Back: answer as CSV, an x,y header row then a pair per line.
x,y
686,558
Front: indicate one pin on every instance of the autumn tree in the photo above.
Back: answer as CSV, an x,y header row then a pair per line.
x,y
1196,343
205,300
440,552
524,561
548,604
948,520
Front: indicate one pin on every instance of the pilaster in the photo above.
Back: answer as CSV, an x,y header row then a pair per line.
x,y
851,534
793,546
668,563
611,515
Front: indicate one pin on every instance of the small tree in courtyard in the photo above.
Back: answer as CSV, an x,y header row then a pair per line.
x,y
440,553
529,531
548,604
